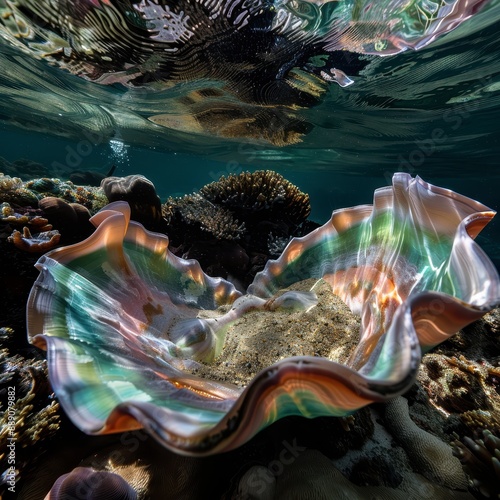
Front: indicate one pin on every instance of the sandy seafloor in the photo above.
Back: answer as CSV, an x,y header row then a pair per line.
x,y
261,338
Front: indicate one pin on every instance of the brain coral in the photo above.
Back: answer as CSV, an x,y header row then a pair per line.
x,y
432,457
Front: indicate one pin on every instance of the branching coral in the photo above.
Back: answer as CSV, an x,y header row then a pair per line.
x,y
481,459
30,415
261,211
262,195
198,215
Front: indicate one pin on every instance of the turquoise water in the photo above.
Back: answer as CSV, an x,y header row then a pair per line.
x,y
177,173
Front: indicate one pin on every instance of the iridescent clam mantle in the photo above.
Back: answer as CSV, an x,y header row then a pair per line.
x,y
119,315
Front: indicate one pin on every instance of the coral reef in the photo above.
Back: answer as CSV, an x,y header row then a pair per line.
x,y
21,193
252,215
363,461
13,191
17,272
58,220
23,217
29,417
41,241
461,379
42,228
90,197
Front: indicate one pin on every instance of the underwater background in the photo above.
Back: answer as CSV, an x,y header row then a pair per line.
x,y
433,112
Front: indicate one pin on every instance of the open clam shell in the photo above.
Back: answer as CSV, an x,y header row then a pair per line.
x,y
123,320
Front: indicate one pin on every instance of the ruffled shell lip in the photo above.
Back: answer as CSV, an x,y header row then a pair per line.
x,y
245,417
242,421
330,388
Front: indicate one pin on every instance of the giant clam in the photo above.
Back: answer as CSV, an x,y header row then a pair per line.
x,y
124,321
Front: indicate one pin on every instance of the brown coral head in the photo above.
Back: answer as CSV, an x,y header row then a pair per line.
x,y
71,219
140,193
82,213
59,212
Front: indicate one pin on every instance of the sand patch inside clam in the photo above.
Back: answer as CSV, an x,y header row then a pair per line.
x,y
261,338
